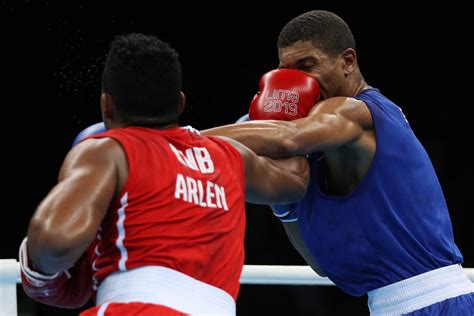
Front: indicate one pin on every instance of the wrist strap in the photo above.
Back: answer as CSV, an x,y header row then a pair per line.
x,y
286,216
34,277
290,217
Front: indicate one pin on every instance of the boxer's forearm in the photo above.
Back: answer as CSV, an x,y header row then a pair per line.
x,y
265,138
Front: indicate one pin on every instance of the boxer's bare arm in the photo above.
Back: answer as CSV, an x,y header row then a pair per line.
x,y
332,123
271,181
67,220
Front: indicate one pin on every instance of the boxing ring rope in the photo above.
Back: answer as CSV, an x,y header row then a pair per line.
x,y
251,274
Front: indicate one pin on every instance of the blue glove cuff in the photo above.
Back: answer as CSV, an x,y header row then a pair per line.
x,y
91,130
285,212
243,118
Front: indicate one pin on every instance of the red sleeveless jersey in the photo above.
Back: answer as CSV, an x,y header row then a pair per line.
x,y
182,207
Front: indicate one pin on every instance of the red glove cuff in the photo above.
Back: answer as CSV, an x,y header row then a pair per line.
x,y
33,277
63,289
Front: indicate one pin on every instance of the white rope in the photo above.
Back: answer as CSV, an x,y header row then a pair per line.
x,y
289,275
293,275
251,274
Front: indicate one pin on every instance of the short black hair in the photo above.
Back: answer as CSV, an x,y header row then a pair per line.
x,y
326,31
143,75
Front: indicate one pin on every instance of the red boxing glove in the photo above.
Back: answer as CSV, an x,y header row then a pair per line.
x,y
285,94
68,289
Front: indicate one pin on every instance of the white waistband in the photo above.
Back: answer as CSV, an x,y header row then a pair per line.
x,y
164,286
419,291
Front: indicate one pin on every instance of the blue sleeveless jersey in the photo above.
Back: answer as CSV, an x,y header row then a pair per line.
x,y
394,225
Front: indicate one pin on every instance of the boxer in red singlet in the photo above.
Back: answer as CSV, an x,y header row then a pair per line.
x,y
148,218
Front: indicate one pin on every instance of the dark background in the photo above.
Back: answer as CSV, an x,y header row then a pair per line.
x,y
52,55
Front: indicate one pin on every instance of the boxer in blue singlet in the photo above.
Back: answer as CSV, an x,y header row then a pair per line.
x,y
374,218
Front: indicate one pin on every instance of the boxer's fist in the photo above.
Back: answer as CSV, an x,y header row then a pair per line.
x,y
91,130
285,94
